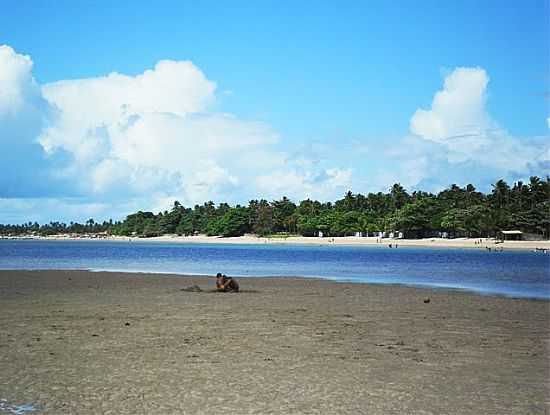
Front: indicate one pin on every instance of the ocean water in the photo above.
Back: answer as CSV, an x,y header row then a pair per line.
x,y
509,273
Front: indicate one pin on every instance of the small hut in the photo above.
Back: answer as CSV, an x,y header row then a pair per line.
x,y
514,235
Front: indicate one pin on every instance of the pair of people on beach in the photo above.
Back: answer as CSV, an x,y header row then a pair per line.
x,y
226,284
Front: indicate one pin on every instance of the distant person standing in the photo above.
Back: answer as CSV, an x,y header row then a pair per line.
x,y
226,284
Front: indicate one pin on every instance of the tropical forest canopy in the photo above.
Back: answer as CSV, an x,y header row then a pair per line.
x,y
458,211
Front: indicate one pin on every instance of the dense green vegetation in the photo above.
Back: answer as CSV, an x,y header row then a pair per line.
x,y
457,211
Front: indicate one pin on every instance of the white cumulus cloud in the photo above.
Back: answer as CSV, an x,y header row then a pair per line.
x,y
23,115
153,133
457,110
459,122
88,105
118,137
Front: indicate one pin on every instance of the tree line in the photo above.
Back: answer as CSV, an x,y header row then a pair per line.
x,y
57,228
457,211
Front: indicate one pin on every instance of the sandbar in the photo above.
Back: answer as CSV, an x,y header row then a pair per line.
x,y
77,342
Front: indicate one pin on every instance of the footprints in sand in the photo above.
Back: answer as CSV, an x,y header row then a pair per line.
x,y
399,348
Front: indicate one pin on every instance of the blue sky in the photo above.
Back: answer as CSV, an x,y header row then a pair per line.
x,y
305,99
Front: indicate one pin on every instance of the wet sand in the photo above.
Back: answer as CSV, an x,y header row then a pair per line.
x,y
76,342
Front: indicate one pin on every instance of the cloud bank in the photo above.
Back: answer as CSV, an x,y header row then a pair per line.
x,y
151,133
113,144
151,138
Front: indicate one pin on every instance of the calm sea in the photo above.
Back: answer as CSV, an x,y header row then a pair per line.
x,y
511,273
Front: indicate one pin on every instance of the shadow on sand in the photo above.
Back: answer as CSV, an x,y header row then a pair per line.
x,y
197,289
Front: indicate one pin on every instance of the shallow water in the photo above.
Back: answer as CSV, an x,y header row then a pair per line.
x,y
511,273
7,407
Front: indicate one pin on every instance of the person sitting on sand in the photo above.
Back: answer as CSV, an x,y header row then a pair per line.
x,y
226,284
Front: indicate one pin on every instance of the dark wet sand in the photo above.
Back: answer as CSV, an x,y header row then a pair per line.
x,y
75,342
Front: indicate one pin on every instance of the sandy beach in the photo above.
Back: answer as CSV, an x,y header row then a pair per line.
x,y
76,342
476,243
360,241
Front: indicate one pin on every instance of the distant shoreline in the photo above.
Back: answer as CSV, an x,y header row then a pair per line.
x,y
479,243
